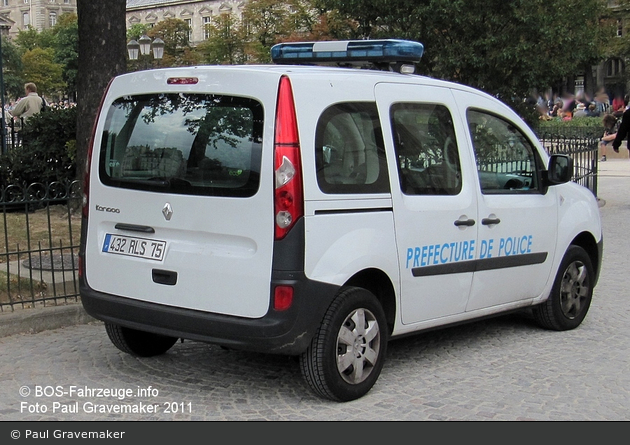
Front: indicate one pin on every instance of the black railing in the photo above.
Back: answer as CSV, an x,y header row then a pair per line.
x,y
581,143
40,228
12,133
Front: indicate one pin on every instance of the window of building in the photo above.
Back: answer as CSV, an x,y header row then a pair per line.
x,y
26,19
206,27
52,19
189,23
614,67
619,27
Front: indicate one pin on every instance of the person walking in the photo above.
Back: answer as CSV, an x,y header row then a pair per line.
x,y
29,105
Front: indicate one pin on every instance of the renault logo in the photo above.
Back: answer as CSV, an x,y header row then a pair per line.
x,y
167,211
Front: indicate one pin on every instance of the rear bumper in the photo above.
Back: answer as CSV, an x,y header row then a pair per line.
x,y
281,332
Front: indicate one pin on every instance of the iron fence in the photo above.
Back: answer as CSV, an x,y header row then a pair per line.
x,y
40,227
581,143
12,133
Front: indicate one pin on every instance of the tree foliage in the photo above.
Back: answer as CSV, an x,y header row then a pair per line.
x,y
174,33
66,45
226,42
40,68
503,47
46,154
12,69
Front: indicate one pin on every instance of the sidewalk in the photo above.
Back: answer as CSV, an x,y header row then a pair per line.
x,y
615,166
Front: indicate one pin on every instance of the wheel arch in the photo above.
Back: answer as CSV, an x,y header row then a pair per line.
x,y
378,283
587,241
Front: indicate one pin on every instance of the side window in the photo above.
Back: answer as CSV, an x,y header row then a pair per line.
x,y
428,158
506,159
349,151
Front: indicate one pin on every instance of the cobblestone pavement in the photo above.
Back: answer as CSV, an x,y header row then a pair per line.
x,y
504,369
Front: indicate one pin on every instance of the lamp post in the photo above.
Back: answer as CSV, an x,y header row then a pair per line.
x,y
143,46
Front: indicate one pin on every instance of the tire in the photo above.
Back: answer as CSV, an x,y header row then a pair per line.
x,y
346,355
571,294
138,343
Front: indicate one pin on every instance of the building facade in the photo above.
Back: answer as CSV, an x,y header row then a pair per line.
x,y
18,15
197,13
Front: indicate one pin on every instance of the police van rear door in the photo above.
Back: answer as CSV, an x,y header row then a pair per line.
x,y
180,206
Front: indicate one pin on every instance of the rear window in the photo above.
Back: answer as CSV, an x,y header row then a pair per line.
x,y
199,144
349,149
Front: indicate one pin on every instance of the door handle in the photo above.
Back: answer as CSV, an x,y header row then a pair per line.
x,y
134,228
490,221
464,222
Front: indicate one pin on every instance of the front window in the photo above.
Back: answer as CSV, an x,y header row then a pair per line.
x,y
506,159
53,19
198,144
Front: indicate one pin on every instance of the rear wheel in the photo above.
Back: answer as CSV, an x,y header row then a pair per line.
x,y
138,343
346,355
571,294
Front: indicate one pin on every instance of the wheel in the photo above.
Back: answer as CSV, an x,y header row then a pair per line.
x,y
138,343
571,294
347,353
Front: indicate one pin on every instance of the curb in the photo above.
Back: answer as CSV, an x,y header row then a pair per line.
x,y
32,321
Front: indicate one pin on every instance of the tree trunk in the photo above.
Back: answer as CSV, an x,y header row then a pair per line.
x,y
102,55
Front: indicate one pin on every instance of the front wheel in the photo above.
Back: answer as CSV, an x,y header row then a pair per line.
x,y
571,294
138,343
346,355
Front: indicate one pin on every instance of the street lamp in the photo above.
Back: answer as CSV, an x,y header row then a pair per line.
x,y
142,47
133,47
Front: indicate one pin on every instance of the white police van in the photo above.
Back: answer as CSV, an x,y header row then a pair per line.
x,y
321,211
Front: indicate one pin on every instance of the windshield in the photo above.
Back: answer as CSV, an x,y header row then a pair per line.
x,y
200,144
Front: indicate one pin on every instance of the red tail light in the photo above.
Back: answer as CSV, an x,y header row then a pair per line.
x,y
288,198
282,298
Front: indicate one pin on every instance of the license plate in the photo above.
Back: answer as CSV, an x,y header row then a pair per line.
x,y
149,249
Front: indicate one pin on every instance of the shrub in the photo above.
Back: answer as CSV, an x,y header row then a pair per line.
x,y
577,128
47,150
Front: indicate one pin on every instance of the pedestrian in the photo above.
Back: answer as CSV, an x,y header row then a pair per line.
x,y
624,128
610,132
618,106
29,105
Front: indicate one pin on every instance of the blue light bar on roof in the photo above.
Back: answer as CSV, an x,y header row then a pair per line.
x,y
376,51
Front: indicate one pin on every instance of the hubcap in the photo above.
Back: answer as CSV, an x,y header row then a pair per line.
x,y
358,346
574,289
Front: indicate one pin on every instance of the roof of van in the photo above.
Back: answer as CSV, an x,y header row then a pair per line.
x,y
293,70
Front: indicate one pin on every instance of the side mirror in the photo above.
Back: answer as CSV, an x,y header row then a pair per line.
x,y
560,169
